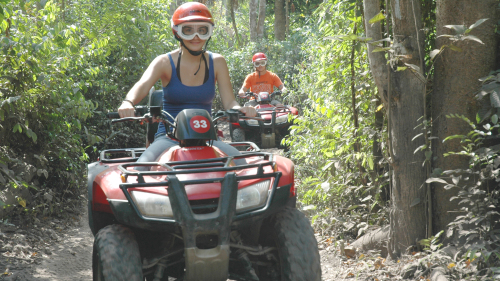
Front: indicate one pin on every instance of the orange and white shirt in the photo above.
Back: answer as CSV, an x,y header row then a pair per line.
x,y
264,83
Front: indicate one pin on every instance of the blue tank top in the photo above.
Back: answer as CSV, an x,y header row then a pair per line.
x,y
177,96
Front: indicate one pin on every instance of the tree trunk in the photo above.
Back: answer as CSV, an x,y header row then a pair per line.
x,y
287,17
279,20
455,84
406,106
403,97
253,19
262,19
233,19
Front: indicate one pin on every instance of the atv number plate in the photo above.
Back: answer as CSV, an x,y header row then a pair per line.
x,y
199,124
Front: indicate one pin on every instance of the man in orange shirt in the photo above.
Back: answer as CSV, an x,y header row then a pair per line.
x,y
261,80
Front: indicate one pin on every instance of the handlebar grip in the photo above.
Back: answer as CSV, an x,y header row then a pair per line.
x,y
113,115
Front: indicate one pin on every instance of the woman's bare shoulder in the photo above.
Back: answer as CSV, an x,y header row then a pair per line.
x,y
219,60
218,57
163,58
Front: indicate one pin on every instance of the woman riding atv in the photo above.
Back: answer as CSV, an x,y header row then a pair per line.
x,y
261,80
186,84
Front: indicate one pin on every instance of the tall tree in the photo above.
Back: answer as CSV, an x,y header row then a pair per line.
x,y
253,19
233,20
262,17
279,20
402,92
455,84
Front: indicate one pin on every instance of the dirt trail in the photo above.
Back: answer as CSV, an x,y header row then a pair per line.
x,y
69,257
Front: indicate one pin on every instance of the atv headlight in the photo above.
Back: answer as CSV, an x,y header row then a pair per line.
x,y
252,122
281,119
152,205
252,196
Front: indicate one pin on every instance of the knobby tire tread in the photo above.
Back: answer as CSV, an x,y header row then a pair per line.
x,y
297,245
119,254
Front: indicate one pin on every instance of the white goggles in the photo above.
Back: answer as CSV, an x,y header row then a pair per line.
x,y
189,30
259,63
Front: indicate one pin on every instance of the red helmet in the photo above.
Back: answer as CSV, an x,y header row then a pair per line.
x,y
191,11
259,56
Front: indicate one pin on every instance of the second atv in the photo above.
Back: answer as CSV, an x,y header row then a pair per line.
x,y
268,132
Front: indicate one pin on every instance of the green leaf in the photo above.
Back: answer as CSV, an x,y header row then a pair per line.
x,y
473,38
352,207
380,16
428,154
459,29
380,49
495,99
415,202
370,163
455,48
494,119
17,127
434,53
479,22
429,180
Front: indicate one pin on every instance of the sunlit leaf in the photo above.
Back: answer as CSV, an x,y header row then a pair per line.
x,y
459,29
476,24
379,17
439,180
434,53
22,203
473,38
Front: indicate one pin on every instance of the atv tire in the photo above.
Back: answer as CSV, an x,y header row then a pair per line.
x,y
116,255
238,135
297,249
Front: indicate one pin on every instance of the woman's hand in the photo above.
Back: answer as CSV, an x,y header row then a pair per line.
x,y
126,110
249,111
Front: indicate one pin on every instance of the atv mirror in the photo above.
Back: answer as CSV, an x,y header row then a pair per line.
x,y
155,110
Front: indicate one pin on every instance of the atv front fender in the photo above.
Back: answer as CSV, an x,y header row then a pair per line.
x,y
93,170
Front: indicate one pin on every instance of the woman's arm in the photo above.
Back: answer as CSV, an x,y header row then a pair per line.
x,y
225,88
159,67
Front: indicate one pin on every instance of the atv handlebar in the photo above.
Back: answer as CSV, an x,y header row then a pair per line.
x,y
252,94
232,116
140,110
145,113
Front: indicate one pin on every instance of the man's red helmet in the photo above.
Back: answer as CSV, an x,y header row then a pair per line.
x,y
191,12
259,56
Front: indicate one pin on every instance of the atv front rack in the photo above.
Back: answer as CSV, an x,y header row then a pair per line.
x,y
220,164
132,154
204,264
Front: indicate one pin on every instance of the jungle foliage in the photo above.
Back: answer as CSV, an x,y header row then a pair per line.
x,y
65,64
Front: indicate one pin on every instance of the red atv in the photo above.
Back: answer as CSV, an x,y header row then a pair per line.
x,y
266,133
194,214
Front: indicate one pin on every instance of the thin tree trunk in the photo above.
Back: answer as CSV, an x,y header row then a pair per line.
x,y
234,24
455,84
279,20
262,19
287,17
355,117
253,19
